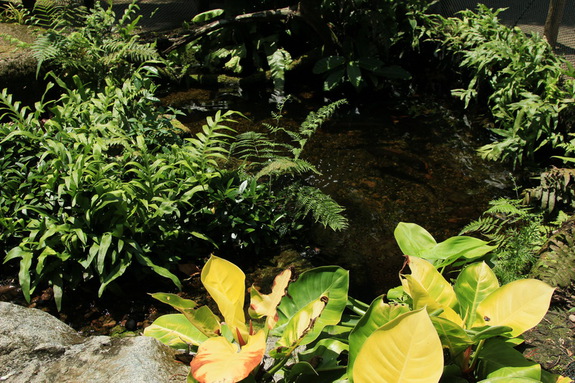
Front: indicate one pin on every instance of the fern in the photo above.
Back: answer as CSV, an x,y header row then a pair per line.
x,y
517,230
324,209
556,261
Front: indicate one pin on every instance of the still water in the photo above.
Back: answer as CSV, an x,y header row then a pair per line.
x,y
414,161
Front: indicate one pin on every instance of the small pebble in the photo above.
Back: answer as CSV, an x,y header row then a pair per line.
x,y
572,317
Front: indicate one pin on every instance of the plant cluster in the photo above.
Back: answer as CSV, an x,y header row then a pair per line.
x,y
520,78
354,40
519,231
94,45
99,181
311,329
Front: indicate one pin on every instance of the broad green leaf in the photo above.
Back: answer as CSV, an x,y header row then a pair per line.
x,y
500,360
175,301
427,287
354,74
413,239
327,351
327,64
473,284
219,361
378,314
176,331
520,305
300,325
202,318
207,16
331,282
452,336
454,248
486,332
266,304
407,349
225,283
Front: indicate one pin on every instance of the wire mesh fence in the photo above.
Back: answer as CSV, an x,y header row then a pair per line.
x,y
529,15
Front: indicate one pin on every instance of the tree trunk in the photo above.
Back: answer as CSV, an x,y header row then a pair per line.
x,y
554,17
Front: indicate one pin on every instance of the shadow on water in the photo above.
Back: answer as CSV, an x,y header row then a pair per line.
x,y
413,163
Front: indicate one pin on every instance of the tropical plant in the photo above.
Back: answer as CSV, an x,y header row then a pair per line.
x,y
518,75
457,251
308,333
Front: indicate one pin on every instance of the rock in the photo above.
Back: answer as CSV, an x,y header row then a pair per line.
x,y
36,347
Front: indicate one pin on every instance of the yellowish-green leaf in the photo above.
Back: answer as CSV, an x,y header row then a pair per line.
x,y
427,287
405,350
176,331
266,304
218,360
302,323
225,282
520,305
453,336
378,314
473,285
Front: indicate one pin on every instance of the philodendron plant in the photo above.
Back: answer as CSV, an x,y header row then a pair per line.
x,y
300,332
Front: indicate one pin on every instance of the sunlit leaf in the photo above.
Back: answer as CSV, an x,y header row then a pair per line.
x,y
301,324
407,349
176,331
413,239
207,16
500,360
266,304
329,282
225,283
427,287
378,314
472,286
520,305
219,361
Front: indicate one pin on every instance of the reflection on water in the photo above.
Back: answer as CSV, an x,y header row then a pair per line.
x,y
411,163
387,168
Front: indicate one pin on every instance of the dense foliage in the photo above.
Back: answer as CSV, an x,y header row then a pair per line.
x,y
107,182
523,83
311,329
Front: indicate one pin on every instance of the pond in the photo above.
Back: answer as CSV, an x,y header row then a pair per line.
x,y
414,161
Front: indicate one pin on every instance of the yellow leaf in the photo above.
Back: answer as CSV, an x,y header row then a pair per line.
x,y
225,283
405,350
302,323
427,287
218,360
520,305
266,305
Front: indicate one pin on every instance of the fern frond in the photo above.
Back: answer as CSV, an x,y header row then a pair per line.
x,y
282,166
324,209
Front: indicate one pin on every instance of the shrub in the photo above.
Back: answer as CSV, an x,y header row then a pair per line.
x,y
106,183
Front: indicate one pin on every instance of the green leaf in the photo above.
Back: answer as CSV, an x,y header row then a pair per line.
x,y
354,74
472,286
413,239
500,360
331,282
454,248
176,331
452,336
327,64
208,15
393,72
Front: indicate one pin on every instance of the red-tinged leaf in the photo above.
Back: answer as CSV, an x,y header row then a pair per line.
x,y
266,304
218,360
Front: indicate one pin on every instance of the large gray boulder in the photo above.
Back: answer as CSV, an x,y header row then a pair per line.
x,y
36,347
